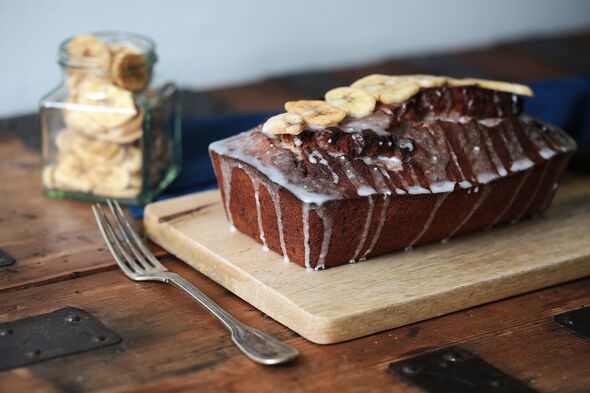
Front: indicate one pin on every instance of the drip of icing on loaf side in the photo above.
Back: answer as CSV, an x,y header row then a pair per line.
x,y
441,140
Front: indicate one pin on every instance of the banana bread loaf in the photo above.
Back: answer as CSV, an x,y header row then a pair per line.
x,y
388,164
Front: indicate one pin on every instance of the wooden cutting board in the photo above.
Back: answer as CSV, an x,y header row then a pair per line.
x,y
350,301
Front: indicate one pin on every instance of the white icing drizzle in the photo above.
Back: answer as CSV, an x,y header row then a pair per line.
x,y
533,196
316,157
556,137
481,168
490,122
551,194
382,217
520,161
256,186
494,155
362,187
378,122
385,173
440,198
276,200
434,158
327,237
223,148
463,183
226,171
305,218
513,198
366,228
379,179
484,194
521,165
554,186
546,152
416,188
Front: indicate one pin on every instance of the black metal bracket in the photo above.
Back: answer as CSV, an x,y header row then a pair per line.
x,y
453,369
6,259
577,321
60,333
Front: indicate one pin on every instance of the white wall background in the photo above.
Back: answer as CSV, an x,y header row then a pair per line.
x,y
211,43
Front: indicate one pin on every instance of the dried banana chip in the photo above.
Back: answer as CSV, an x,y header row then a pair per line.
x,y
372,84
506,87
129,70
106,104
64,140
98,152
69,174
315,112
80,121
126,133
135,180
398,91
354,101
132,159
423,81
88,49
285,123
107,181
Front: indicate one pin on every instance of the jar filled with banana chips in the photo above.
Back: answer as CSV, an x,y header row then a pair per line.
x,y
108,130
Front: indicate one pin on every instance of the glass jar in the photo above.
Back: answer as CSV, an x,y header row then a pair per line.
x,y
108,130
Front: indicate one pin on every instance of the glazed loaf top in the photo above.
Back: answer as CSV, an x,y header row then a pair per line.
x,y
438,139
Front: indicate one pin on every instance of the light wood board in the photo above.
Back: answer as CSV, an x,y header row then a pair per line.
x,y
354,300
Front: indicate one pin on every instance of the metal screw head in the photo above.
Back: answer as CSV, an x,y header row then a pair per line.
x,y
452,356
5,332
34,353
410,369
570,321
494,383
72,319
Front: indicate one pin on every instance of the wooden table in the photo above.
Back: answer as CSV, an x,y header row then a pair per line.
x,y
171,344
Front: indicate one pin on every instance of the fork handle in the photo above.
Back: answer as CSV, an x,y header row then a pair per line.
x,y
258,346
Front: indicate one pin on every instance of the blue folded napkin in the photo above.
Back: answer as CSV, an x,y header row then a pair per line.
x,y
562,102
197,133
565,103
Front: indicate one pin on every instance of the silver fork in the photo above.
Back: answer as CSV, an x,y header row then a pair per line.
x,y
139,264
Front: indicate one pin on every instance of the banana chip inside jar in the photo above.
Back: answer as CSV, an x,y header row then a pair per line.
x,y
89,49
129,69
87,165
108,105
108,129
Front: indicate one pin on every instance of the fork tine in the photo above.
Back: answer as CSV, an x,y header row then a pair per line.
x,y
126,237
131,232
101,226
133,265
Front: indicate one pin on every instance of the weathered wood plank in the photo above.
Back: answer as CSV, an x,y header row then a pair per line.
x,y
171,344
50,239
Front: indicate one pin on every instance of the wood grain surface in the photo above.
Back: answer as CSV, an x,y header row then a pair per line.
x,y
387,291
170,344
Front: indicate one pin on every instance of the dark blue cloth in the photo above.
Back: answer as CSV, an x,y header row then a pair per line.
x,y
562,102
197,133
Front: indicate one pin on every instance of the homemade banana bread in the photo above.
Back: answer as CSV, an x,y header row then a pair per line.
x,y
390,163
